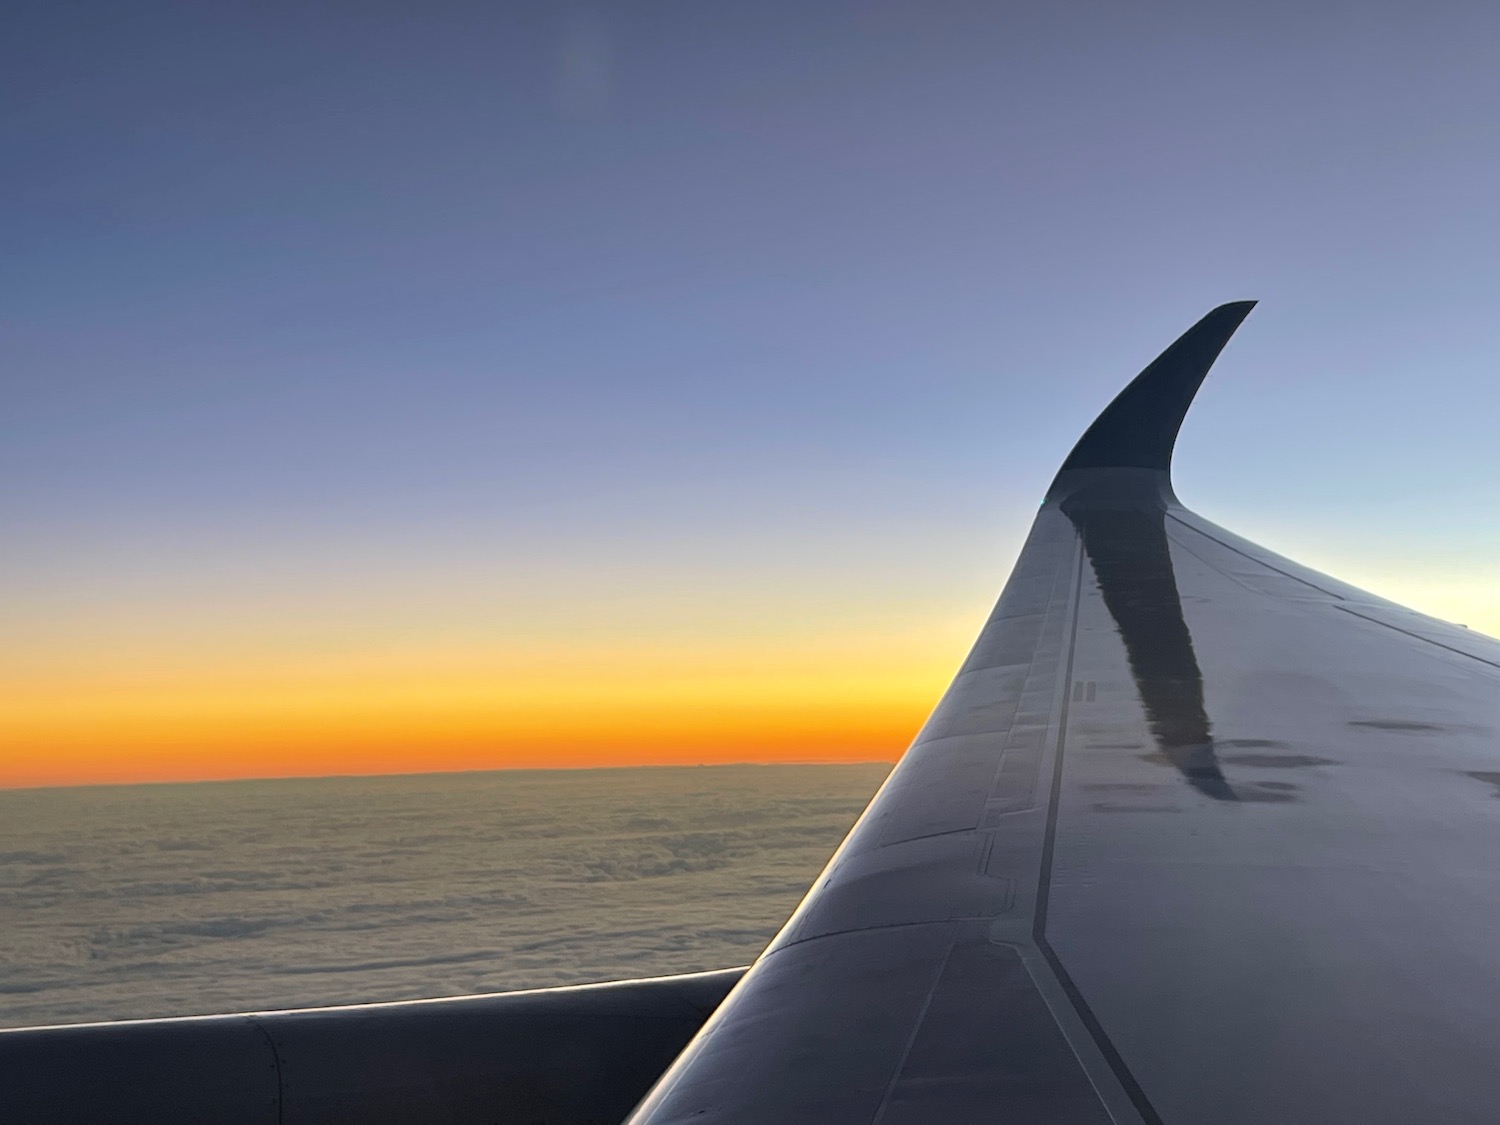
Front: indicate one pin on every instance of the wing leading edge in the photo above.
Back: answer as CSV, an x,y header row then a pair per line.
x,y
1197,835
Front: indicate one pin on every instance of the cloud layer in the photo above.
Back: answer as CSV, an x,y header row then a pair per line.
x,y
188,899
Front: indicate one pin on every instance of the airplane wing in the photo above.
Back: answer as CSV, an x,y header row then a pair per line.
x,y
1197,836
549,1056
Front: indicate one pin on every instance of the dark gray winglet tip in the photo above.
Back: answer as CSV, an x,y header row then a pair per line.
x,y
1139,428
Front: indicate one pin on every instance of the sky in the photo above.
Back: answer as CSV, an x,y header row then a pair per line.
x,y
405,387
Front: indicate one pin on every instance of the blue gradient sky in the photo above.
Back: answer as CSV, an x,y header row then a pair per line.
x,y
373,331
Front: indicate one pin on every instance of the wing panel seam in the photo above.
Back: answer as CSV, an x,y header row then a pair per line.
x,y
1096,1030
1417,636
916,1029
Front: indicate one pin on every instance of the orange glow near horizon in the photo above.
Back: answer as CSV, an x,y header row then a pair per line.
x,y
219,662
433,712
167,682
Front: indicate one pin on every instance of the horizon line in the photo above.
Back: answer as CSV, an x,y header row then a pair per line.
x,y
772,763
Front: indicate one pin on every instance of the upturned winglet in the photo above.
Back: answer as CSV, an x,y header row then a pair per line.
x,y
1139,428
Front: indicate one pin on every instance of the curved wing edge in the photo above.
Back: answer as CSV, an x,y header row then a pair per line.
x,y
1139,428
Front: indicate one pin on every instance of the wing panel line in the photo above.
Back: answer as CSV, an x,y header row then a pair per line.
x,y
916,1029
1416,636
1101,1039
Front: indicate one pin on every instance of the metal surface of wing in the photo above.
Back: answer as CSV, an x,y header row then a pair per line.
x,y
559,1056
1197,836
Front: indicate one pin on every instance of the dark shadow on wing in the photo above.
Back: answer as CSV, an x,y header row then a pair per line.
x,y
1133,566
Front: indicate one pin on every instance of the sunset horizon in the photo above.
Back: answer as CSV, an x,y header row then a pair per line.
x,y
574,385
459,772
852,561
